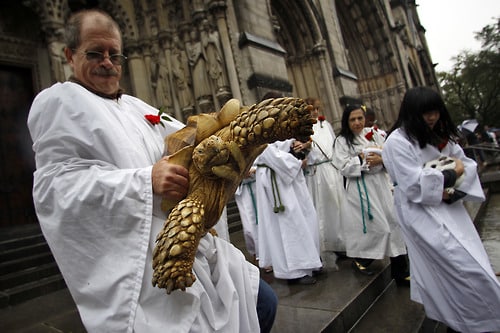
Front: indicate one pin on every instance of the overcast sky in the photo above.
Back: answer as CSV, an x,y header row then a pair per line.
x,y
450,26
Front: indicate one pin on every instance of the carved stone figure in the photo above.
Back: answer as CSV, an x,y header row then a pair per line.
x,y
215,61
159,78
180,71
197,60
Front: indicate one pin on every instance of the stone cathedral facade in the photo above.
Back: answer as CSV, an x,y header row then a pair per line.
x,y
191,56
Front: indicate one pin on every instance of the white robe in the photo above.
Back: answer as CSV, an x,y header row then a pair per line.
x,y
246,200
450,271
367,193
94,200
325,183
288,240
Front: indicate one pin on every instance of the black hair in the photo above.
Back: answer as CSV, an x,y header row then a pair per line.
x,y
416,102
345,131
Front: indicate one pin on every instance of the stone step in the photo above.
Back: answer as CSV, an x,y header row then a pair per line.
x,y
30,290
334,304
392,311
12,232
27,275
35,245
15,265
19,241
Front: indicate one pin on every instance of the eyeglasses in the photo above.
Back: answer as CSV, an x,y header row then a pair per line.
x,y
94,56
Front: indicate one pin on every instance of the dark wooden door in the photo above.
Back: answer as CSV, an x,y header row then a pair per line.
x,y
16,156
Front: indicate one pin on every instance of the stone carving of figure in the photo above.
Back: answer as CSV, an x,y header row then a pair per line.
x,y
197,61
57,61
180,71
159,78
215,61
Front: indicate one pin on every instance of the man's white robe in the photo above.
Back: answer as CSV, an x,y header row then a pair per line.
x,y
246,200
289,239
450,271
367,194
325,183
94,199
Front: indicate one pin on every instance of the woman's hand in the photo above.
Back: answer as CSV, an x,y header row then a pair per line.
x,y
373,159
459,167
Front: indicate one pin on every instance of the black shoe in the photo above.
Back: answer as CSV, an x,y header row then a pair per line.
x,y
341,254
305,280
403,282
318,272
361,269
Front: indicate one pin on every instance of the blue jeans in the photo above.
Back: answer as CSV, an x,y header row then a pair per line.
x,y
267,302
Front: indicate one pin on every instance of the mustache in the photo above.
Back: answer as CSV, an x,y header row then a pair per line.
x,y
105,71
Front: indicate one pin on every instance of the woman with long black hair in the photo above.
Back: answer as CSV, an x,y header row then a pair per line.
x,y
450,271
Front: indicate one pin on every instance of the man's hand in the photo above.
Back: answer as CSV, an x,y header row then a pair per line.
x,y
170,180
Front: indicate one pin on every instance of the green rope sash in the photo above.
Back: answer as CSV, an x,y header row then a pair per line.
x,y
276,193
369,213
254,203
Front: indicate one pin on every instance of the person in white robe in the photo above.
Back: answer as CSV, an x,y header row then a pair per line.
x,y
450,271
371,121
246,200
288,224
98,186
325,183
370,227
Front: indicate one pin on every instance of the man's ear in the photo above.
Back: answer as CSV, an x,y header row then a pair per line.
x,y
68,53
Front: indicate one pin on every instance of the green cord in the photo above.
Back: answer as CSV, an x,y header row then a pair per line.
x,y
276,192
362,207
370,216
253,201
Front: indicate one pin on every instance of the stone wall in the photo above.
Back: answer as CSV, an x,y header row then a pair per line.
x,y
191,56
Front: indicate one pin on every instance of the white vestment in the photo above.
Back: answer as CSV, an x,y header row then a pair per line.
x,y
94,200
246,200
288,239
325,184
370,228
450,271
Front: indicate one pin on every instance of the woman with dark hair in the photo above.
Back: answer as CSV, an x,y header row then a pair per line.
x,y
451,274
370,228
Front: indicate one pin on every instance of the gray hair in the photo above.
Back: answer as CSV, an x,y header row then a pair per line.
x,y
72,32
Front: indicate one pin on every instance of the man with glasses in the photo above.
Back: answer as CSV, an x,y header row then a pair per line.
x,y
98,188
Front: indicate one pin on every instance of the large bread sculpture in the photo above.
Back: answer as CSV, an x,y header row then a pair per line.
x,y
218,149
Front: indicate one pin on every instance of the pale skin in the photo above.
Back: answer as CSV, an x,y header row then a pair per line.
x,y
298,145
168,180
356,125
431,118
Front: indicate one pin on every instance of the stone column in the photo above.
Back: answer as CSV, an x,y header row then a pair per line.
x,y
320,51
138,73
218,8
52,15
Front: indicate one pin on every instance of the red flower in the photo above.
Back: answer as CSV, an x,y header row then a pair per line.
x,y
321,118
157,119
369,136
442,144
154,120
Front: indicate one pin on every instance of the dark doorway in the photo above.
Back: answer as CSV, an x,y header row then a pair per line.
x,y
16,156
